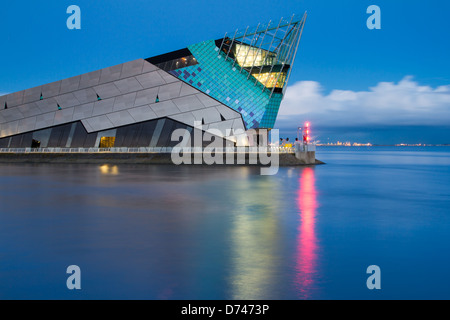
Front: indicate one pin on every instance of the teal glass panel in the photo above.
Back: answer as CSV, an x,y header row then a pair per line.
x,y
224,81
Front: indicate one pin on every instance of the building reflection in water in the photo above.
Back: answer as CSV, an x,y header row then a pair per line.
x,y
255,239
306,257
109,170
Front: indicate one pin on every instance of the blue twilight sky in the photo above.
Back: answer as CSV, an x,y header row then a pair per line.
x,y
353,83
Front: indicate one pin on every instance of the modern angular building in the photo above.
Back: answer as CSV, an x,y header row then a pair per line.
x,y
231,85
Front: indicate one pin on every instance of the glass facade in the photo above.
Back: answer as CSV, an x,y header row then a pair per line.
x,y
248,71
227,82
152,133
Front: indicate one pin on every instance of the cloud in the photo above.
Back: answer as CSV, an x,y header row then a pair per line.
x,y
404,103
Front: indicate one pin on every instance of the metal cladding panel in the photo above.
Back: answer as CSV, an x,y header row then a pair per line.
x,y
147,96
164,108
85,95
63,116
185,117
32,94
120,118
128,85
69,84
45,120
208,115
125,101
206,100
148,67
67,100
238,125
187,90
223,126
12,114
82,112
110,74
227,113
103,107
28,124
142,113
150,80
51,89
15,99
142,93
169,91
90,79
87,126
29,109
188,103
99,123
168,78
47,105
132,68
107,90
9,128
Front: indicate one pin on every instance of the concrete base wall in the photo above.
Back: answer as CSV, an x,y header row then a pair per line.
x,y
285,159
306,157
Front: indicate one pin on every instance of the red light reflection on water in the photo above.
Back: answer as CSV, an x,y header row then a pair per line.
x,y
306,258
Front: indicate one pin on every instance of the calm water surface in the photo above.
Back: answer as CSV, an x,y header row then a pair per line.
x,y
168,232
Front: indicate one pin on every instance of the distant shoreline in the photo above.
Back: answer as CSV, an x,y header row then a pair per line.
x,y
385,145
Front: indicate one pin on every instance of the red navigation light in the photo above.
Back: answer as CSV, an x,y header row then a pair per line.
x,y
306,137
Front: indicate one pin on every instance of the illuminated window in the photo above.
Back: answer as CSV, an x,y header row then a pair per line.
x,y
270,79
247,56
177,63
107,142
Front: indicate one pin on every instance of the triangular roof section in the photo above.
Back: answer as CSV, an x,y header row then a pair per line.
x,y
266,51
